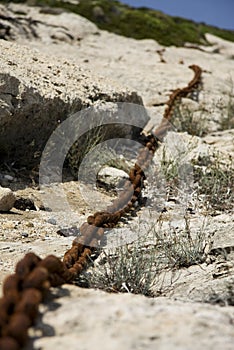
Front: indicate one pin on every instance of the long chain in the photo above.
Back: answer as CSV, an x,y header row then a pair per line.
x,y
24,290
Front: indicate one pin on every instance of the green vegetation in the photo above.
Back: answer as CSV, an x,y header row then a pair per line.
x,y
212,176
138,23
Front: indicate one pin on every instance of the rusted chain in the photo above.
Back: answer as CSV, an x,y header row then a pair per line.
x,y
176,97
24,290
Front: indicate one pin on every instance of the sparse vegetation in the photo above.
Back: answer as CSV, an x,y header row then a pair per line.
x,y
215,179
128,268
134,268
83,146
210,176
181,247
138,23
94,152
174,172
194,124
224,298
227,119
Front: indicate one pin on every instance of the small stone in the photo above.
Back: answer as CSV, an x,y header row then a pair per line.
x,y
111,178
67,232
52,221
7,199
9,177
7,225
29,224
24,234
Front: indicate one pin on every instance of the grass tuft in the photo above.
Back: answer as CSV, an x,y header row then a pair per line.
x,y
227,120
135,268
215,182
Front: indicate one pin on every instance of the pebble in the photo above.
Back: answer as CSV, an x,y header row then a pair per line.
x,y
52,221
29,224
9,177
24,234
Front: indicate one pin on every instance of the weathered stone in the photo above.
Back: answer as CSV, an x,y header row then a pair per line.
x,y
7,199
133,322
112,178
36,95
49,25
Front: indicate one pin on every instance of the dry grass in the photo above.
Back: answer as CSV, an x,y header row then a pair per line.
x,y
187,121
134,268
215,182
227,119
224,298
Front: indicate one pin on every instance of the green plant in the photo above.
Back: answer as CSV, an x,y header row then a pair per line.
x,y
83,146
174,168
169,167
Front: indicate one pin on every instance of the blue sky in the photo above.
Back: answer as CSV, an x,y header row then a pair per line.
x,y
215,12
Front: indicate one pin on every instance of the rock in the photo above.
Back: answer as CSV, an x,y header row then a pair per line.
x,y
52,221
219,45
136,64
130,322
111,178
99,14
37,94
222,140
7,199
45,25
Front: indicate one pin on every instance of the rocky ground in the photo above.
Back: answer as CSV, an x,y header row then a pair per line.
x,y
59,63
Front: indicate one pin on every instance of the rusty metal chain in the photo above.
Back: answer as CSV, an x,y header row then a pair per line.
x,y
176,97
24,290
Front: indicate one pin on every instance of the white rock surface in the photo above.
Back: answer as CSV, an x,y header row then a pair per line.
x,y
7,199
37,94
112,177
136,63
89,319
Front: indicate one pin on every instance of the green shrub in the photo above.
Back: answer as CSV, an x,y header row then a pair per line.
x,y
139,23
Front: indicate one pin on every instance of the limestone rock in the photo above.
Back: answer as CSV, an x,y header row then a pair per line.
x,y
36,95
45,25
7,199
132,322
112,178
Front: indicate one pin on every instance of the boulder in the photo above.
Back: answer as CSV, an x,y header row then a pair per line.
x,y
37,94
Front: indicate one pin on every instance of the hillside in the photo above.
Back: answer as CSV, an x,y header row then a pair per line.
x,y
138,23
